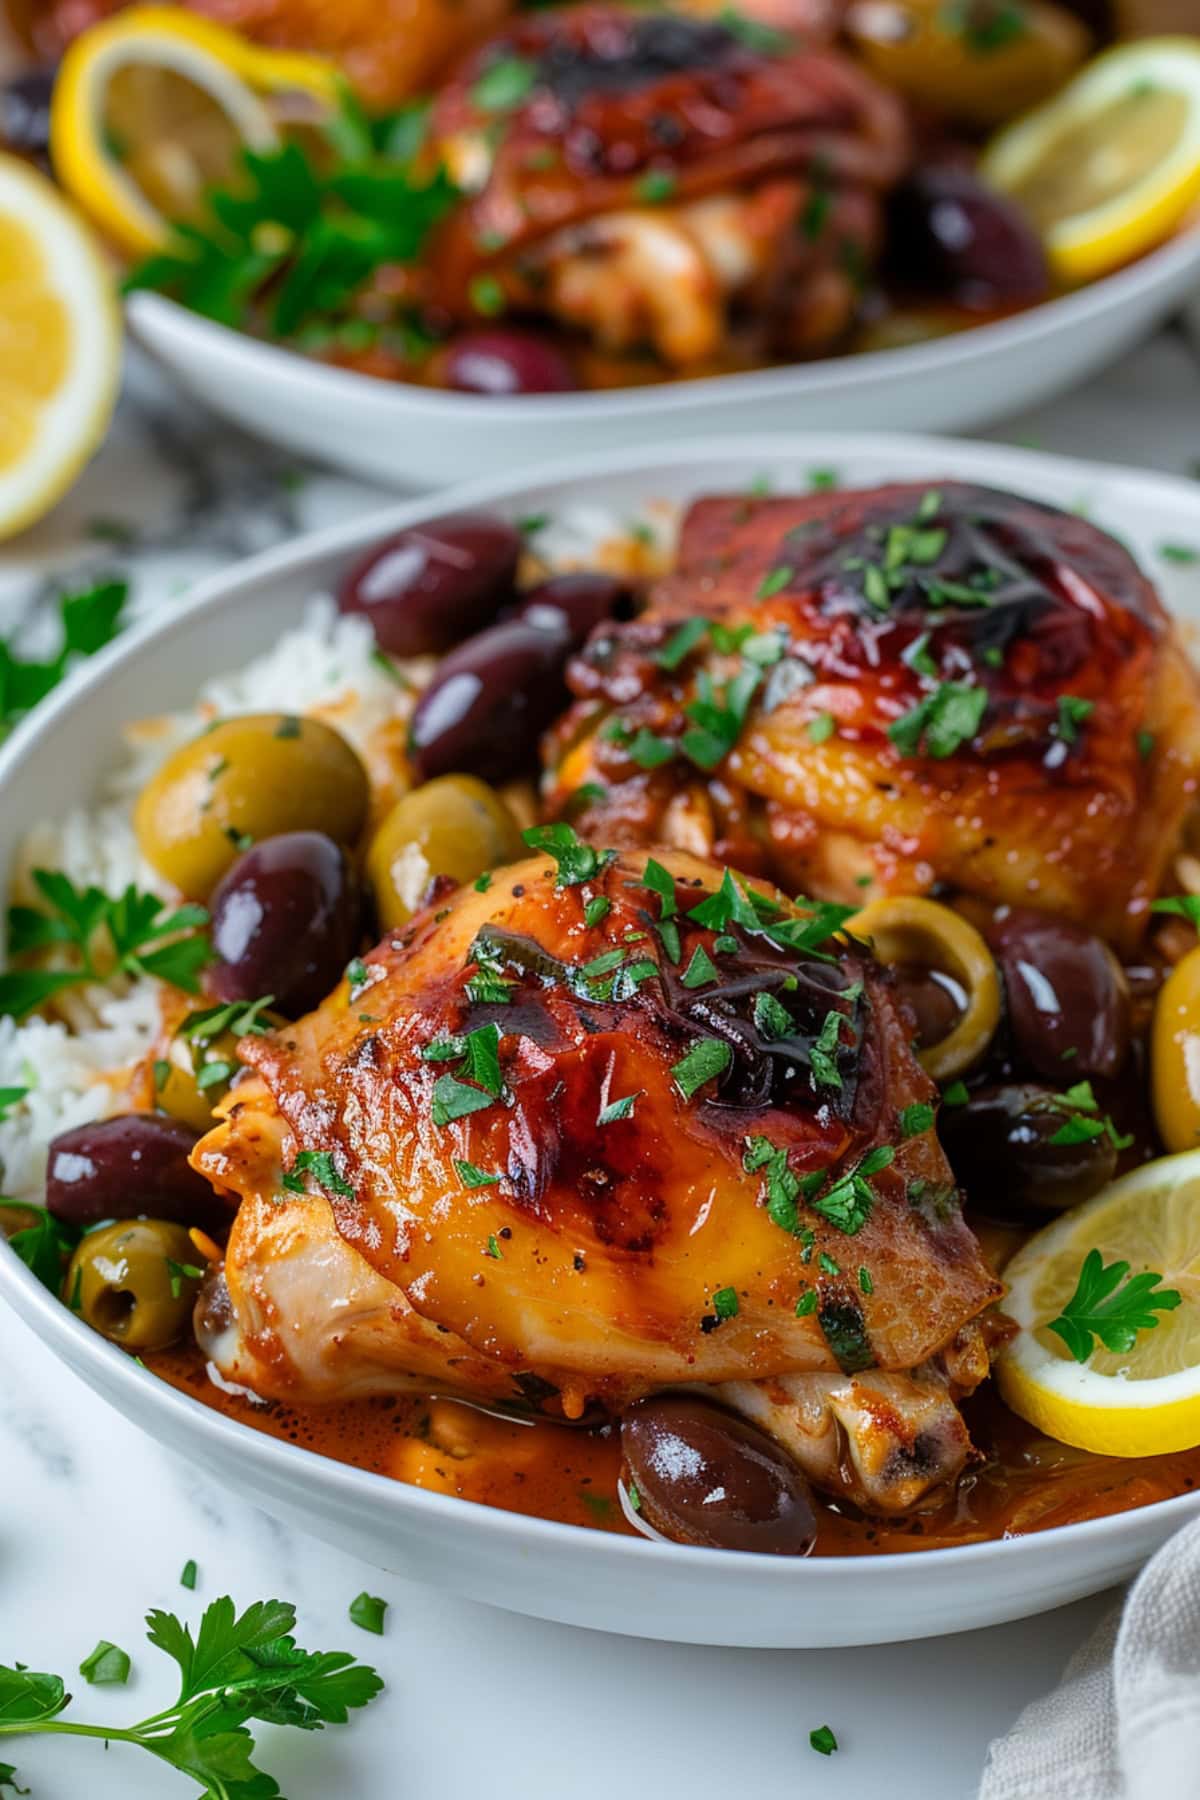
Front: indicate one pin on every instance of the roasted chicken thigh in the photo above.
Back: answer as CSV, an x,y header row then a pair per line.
x,y
652,178
610,1126
902,689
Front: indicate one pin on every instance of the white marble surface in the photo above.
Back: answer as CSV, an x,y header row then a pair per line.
x,y
96,1522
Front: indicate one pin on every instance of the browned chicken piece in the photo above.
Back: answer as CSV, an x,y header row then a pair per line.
x,y
459,1178
904,689
658,181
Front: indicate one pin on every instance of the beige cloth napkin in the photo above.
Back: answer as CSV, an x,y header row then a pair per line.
x,y
1125,1722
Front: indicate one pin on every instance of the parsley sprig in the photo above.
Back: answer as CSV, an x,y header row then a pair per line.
x,y
310,231
1109,1309
236,1669
90,619
141,935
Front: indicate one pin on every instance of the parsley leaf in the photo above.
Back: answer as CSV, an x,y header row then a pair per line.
x,y
577,862
822,1740
367,1612
144,938
1109,1309
1072,713
618,1109
234,1670
324,1173
718,716
90,618
107,1666
454,1099
1186,905
681,643
943,720
915,1119
707,1058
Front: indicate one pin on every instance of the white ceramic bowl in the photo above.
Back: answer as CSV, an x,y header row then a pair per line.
x,y
418,437
530,1565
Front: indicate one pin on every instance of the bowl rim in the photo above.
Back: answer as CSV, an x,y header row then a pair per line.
x,y
937,358
146,1398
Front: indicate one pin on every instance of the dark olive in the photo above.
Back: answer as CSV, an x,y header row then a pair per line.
x,y
499,361
935,1000
25,112
433,584
1068,999
951,235
135,1282
129,1167
706,1476
1002,1150
574,604
490,701
285,921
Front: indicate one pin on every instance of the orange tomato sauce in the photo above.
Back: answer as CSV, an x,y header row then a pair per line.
x,y
1022,1481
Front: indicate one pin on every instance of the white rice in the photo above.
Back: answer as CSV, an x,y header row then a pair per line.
x,y
77,1067
77,1071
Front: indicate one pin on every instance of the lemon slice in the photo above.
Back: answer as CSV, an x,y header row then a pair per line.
x,y
151,107
60,345
1138,1402
1111,165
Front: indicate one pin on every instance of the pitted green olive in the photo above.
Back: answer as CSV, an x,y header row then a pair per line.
x,y
248,778
456,826
135,1282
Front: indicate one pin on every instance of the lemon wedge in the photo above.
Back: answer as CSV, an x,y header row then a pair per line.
x,y
151,107
1111,165
1138,1402
60,345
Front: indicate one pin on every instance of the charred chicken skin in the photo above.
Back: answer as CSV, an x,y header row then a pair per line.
x,y
653,179
609,1127
901,689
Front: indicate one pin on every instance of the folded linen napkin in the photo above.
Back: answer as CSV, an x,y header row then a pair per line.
x,y
1125,1722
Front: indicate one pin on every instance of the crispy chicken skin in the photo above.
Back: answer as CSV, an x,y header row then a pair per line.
x,y
654,170
953,689
529,1245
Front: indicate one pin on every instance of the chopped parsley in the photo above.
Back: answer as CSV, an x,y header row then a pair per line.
x,y
821,728
725,1303
708,1057
717,716
1186,905
472,1177
577,862
107,1666
367,1612
504,84
807,1303
700,970
681,643
1184,554
775,582
597,908
823,1740
1072,713
915,1119
848,1203
493,1248
323,1169
618,1109
483,882
1084,1121
956,1094
660,881
824,1051
655,186
772,1020
941,722
188,1574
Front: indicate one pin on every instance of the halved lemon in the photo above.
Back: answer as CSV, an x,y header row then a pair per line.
x,y
60,345
151,107
1138,1402
1111,165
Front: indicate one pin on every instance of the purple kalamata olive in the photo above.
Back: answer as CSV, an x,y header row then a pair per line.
x,y
433,584
706,1476
951,235
1021,1153
498,361
134,1166
25,112
574,604
1068,999
490,701
285,921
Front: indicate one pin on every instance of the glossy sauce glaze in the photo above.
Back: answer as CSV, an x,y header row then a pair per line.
x,y
1023,1481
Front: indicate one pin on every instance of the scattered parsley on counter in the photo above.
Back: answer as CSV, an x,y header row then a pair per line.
x,y
188,1574
367,1612
1103,1310
235,1669
823,1740
107,1666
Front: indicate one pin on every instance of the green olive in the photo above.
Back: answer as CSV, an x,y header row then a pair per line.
x,y
135,1282
248,778
456,826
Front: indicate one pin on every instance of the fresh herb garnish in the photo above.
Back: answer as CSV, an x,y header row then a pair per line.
x,y
915,1119
700,970
10,1097
493,1248
823,1053
847,1204
823,1740
107,1666
144,937
956,1094
1183,554
821,728
504,84
660,881
618,1109
943,720
725,1303
367,1612
655,186
681,643
471,1177
1103,1310
323,1169
234,1670
187,1577
1084,1121
1072,713
707,1058
597,908
718,716
775,582
1186,905
577,861
90,618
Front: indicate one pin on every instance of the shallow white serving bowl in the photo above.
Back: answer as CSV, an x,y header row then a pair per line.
x,y
530,1565
417,437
